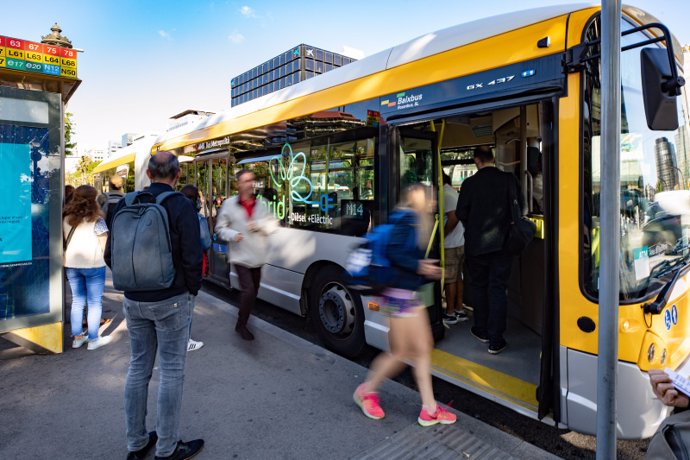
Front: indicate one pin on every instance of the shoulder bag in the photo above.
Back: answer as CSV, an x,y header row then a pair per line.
x,y
521,230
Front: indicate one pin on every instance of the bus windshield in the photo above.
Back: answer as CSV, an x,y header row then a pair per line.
x,y
654,174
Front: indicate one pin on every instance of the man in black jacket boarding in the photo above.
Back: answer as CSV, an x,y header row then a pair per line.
x,y
484,209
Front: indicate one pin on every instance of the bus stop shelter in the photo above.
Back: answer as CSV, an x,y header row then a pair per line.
x,y
36,82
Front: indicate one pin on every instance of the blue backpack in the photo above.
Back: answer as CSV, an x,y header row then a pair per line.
x,y
142,257
369,267
204,233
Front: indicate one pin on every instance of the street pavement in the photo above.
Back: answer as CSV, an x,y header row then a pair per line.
x,y
278,397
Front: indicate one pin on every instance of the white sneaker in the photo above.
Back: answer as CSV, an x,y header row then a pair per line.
x,y
79,341
99,342
193,345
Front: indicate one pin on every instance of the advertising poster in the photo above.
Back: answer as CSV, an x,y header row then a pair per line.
x,y
15,213
25,172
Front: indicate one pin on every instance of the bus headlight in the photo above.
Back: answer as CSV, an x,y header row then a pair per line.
x,y
650,353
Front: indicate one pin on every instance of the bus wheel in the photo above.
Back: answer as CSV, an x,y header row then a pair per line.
x,y
336,312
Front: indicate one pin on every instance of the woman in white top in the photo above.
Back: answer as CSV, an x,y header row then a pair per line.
x,y
85,234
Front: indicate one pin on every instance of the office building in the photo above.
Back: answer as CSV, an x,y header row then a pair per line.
x,y
298,64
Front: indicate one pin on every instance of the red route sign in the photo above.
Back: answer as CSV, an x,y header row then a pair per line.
x,y
52,50
14,43
68,53
33,47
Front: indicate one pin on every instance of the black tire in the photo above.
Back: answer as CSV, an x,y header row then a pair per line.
x,y
336,312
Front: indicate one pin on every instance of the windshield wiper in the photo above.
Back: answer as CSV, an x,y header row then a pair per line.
x,y
664,267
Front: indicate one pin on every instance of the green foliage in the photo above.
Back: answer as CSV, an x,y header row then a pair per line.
x,y
83,174
69,131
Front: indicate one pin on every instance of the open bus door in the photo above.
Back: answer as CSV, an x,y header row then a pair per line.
x,y
413,159
526,377
211,172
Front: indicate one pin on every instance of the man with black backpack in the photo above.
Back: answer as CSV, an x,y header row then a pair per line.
x,y
154,252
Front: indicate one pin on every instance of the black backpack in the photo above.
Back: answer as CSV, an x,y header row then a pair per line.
x,y
140,244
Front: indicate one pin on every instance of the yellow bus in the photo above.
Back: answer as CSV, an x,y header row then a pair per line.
x,y
332,153
130,163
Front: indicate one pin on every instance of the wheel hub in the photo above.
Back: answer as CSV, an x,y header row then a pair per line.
x,y
335,309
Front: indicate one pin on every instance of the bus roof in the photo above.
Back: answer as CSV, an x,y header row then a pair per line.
x,y
413,50
126,154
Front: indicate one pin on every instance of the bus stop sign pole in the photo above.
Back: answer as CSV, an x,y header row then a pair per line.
x,y
610,228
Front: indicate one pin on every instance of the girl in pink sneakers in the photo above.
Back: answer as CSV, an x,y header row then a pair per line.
x,y
410,333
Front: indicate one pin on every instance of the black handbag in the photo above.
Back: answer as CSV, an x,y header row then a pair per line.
x,y
521,230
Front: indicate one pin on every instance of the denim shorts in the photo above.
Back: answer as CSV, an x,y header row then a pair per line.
x,y
400,303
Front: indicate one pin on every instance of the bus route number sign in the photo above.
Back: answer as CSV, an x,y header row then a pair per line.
x,y
27,56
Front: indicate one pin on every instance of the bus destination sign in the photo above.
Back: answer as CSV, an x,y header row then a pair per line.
x,y
26,56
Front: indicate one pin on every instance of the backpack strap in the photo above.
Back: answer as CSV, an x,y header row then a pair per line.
x,y
131,197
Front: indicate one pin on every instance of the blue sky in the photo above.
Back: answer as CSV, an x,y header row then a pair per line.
x,y
147,60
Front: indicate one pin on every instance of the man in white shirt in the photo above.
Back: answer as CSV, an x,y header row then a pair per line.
x,y
454,248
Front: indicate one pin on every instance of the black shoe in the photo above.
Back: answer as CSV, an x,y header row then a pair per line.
x,y
496,348
184,450
450,319
244,332
141,453
482,337
461,316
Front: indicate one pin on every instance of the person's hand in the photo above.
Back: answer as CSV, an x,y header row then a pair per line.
x,y
238,238
251,225
665,391
429,269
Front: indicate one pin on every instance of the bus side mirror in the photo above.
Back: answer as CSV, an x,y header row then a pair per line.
x,y
660,88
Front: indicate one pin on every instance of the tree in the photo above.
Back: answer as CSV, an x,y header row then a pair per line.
x,y
84,173
69,126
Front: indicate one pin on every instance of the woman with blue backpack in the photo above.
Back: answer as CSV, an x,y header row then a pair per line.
x,y
409,333
192,193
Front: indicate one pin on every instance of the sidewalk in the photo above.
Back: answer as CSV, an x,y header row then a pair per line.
x,y
276,397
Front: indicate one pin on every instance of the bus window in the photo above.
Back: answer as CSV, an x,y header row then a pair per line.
x,y
219,179
653,180
202,183
321,184
416,162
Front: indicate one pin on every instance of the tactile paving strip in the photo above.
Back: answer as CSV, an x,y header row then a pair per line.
x,y
440,442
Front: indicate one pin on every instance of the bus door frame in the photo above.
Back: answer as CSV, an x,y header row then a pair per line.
x,y
548,390
394,133
206,189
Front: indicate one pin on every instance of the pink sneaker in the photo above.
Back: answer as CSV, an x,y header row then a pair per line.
x,y
369,403
441,416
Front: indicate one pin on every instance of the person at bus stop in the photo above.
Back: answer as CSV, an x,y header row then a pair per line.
x,y
85,235
674,432
158,324
69,193
409,330
454,246
109,201
484,209
668,394
245,223
192,193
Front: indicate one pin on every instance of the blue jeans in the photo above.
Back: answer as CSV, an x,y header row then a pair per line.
x,y
87,288
163,327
